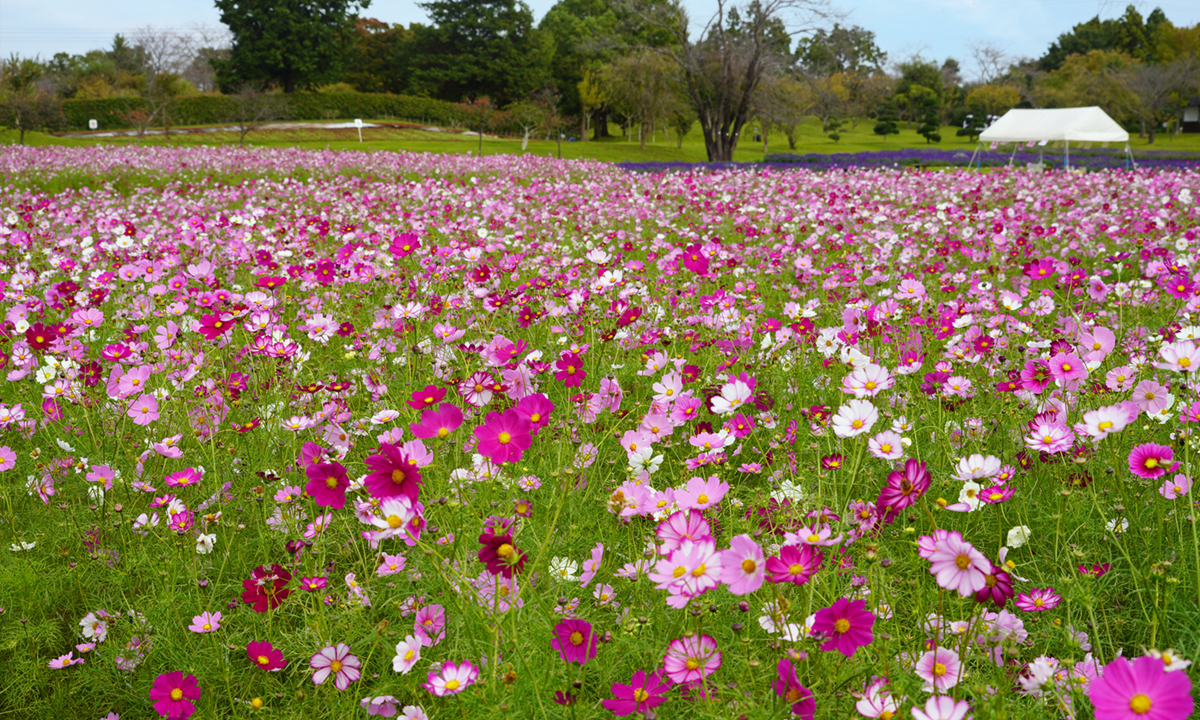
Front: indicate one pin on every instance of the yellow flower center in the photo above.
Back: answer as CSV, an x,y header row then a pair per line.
x,y
939,669
264,660
1185,362
177,694
208,626
1151,462
504,438
1140,704
640,696
794,695
796,569
842,625
679,571
814,538
395,521
749,566
962,562
409,655
398,476
702,498
336,666
870,385
452,685
1105,425
692,664
576,638
1039,602
699,570
856,424
505,551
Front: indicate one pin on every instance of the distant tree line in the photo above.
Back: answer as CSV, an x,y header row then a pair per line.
x,y
591,64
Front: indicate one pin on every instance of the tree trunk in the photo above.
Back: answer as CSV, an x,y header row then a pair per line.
x,y
1151,129
642,134
600,125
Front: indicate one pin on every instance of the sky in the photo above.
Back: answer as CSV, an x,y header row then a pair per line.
x,y
933,29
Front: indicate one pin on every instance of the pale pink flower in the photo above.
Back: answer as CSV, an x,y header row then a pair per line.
x,y
940,669
958,566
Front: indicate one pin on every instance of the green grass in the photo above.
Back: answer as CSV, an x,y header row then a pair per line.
x,y
660,148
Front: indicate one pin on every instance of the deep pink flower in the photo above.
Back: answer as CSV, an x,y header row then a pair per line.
x,y
216,325
427,397
789,688
575,641
570,370
903,488
504,436
846,624
641,694
327,484
536,409
263,655
1141,690
172,694
392,474
997,587
1067,366
794,564
437,423
1150,461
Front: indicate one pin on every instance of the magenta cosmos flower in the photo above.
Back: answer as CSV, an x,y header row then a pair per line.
x,y
337,661
536,409
997,587
437,423
570,370
1150,461
504,436
958,566
452,679
263,655
1141,690
846,624
392,474
903,488
575,641
641,694
327,484
789,688
689,660
499,555
173,692
794,564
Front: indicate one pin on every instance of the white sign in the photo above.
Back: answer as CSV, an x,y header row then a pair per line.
x,y
358,123
92,124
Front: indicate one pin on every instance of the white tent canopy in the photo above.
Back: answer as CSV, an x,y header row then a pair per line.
x,y
1079,124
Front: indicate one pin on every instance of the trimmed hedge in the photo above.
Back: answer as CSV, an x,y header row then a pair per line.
x,y
215,109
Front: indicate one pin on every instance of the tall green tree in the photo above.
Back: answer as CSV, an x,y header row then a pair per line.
x,y
477,48
292,43
840,50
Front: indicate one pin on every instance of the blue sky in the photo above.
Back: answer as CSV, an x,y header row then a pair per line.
x,y
936,29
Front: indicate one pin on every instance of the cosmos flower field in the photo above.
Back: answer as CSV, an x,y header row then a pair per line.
x,y
305,434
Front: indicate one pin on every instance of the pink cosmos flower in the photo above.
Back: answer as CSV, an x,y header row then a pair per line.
x,y
1149,460
867,381
958,566
1141,690
641,694
64,661
8,460
743,565
451,679
690,570
382,705
939,668
215,325
592,565
1176,487
536,409
437,423
689,660
942,707
1150,397
205,622
1038,600
504,437
327,484
391,565
337,661
1065,367
574,641
408,652
570,367
701,494
427,397
172,695
1181,356
846,624
429,625
144,410
887,445
903,488
680,526
1049,437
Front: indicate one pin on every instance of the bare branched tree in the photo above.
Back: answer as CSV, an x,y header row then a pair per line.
x,y
252,108
1162,91
722,69
991,62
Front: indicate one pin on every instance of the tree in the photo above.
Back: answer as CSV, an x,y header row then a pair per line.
x,y
835,124
640,86
886,119
550,101
722,70
828,96
292,43
783,103
995,99
252,108
31,108
929,121
1161,92
529,116
476,48
841,50
580,36
976,122
991,62
376,58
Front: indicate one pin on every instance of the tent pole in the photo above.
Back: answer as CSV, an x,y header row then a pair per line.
x,y
972,162
1014,154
